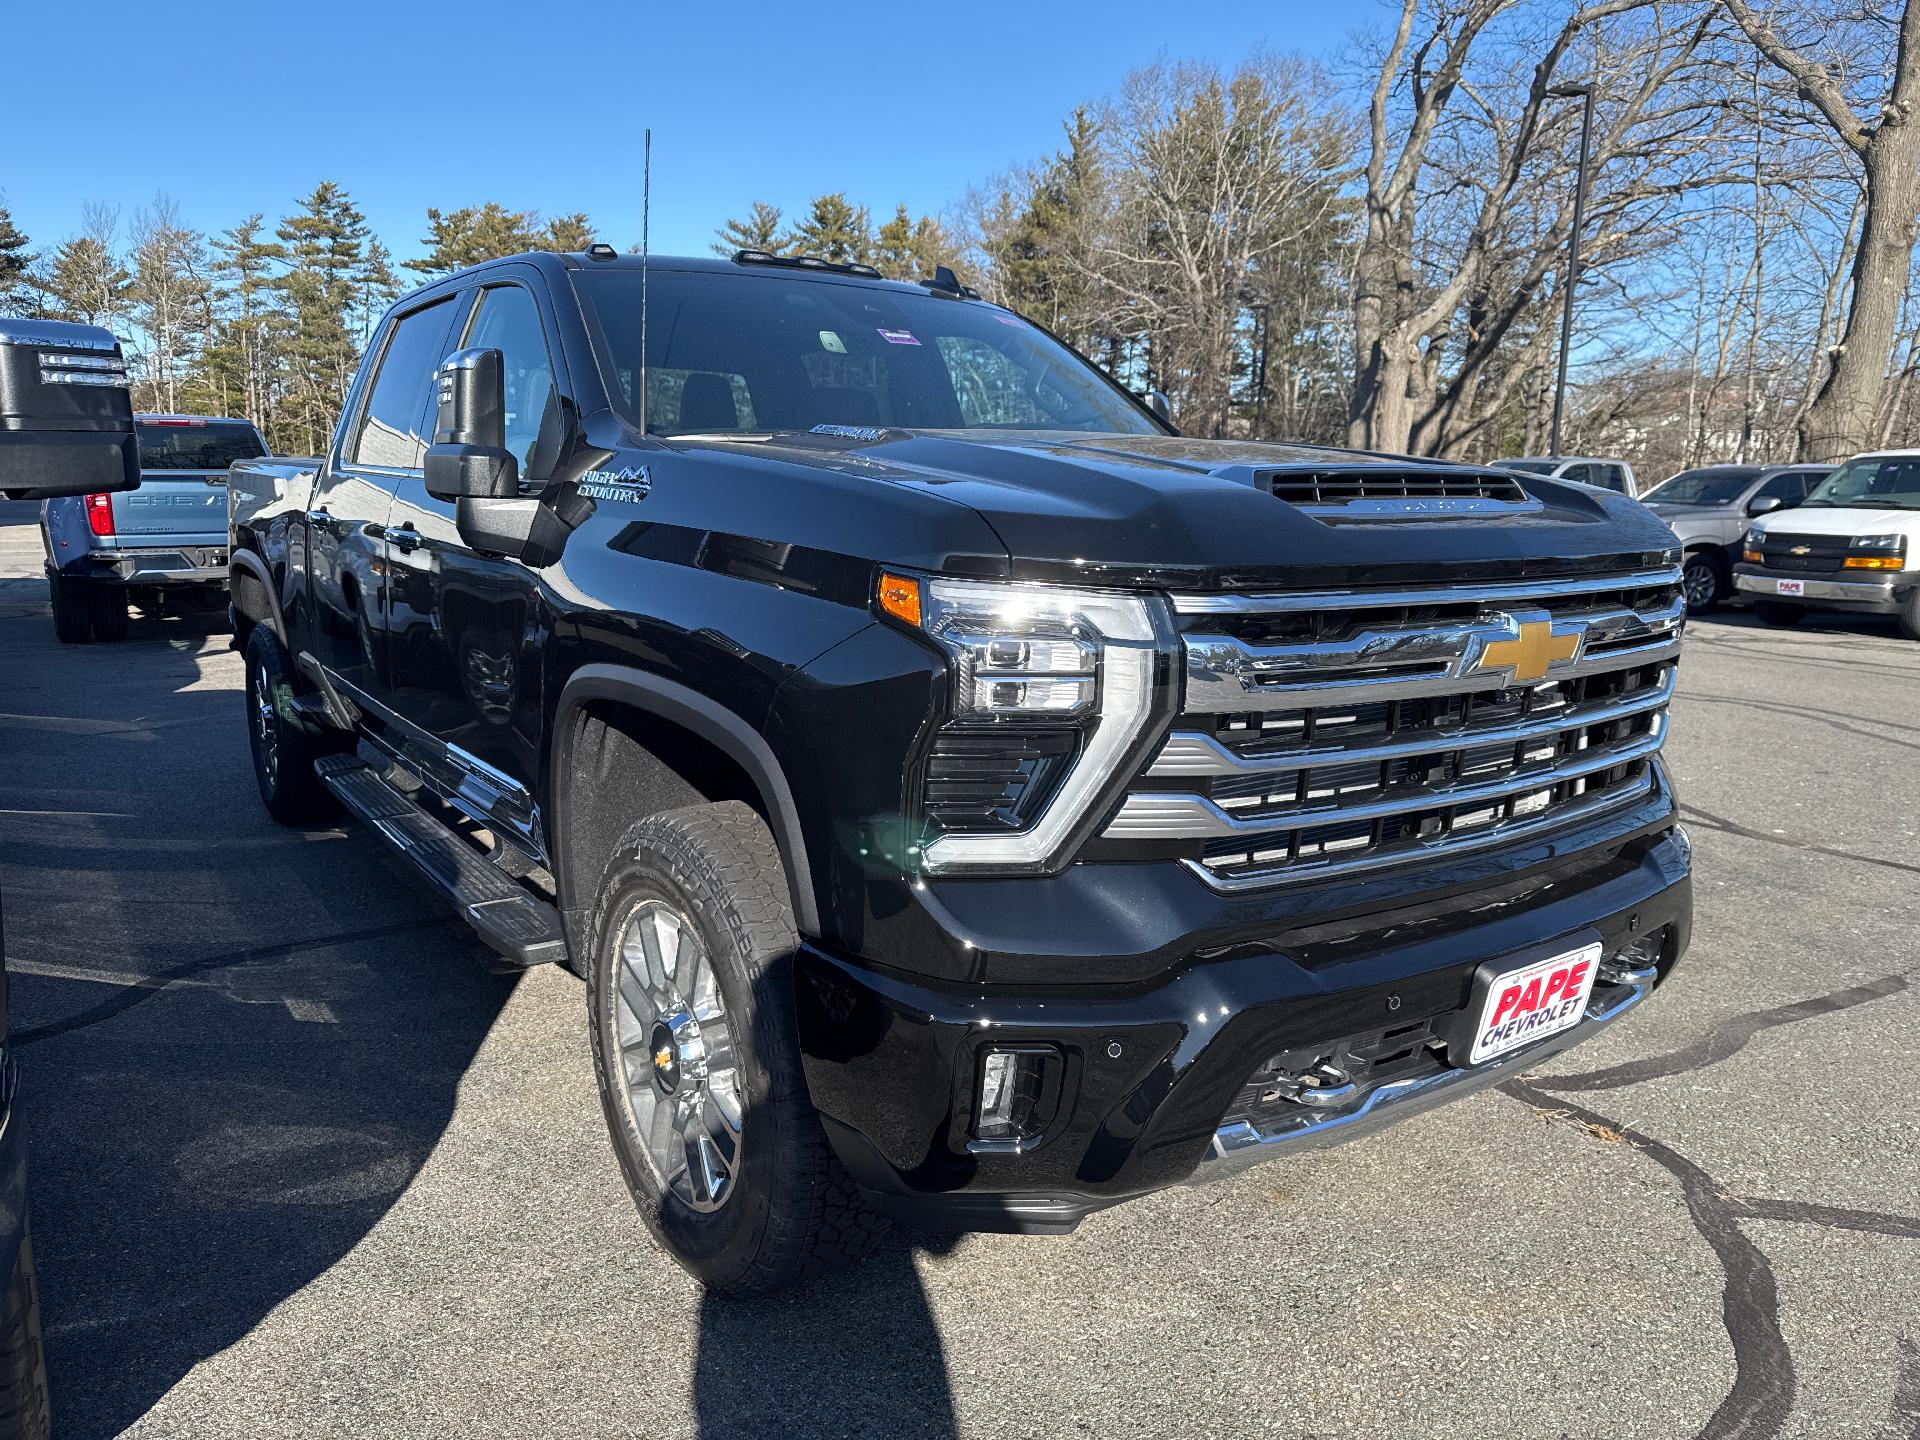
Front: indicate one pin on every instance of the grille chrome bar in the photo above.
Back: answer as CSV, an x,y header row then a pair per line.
x,y
1188,753
1493,594
1226,675
1486,837
1152,816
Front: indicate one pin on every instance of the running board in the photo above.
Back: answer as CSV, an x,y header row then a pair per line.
x,y
521,928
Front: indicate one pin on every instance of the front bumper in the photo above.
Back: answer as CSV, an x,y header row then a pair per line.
x,y
1883,595
1143,1079
157,565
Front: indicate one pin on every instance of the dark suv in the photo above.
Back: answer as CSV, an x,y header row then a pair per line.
x,y
966,798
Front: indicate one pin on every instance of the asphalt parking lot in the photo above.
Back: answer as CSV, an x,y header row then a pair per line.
x,y
302,1167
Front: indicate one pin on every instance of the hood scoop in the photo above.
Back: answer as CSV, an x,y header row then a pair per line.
x,y
1394,492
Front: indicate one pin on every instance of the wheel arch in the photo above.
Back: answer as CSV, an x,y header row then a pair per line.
x,y
668,724
254,599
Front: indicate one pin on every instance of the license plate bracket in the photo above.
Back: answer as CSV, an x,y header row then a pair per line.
x,y
1518,999
1790,587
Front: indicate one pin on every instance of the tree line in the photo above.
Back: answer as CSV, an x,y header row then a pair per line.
x,y
1369,250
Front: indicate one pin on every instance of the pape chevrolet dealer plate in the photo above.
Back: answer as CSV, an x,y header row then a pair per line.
x,y
1789,587
1532,1002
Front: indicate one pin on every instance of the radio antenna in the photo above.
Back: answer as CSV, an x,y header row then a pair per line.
x,y
646,207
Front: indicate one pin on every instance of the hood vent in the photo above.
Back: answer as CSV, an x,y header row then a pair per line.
x,y
1386,490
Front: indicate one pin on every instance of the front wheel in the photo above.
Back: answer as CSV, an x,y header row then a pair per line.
x,y
1779,612
1910,615
690,1008
1700,582
24,1411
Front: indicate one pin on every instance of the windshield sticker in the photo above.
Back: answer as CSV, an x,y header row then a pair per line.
x,y
832,342
898,337
631,484
851,432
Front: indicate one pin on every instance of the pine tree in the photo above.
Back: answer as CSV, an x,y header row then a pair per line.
x,y
760,230
326,254
834,230
569,232
906,248
171,296
84,280
242,358
15,259
376,288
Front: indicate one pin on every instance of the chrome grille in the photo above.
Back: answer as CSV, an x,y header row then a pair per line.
x,y
1334,732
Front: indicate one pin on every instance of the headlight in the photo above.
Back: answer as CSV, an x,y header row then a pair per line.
x,y
1881,543
1756,535
1053,697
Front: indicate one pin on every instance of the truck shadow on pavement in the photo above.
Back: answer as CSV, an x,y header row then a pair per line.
x,y
238,1044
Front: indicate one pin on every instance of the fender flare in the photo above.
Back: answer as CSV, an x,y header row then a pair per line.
x,y
251,563
719,727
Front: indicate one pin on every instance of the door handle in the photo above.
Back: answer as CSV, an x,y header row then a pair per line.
x,y
405,538
320,518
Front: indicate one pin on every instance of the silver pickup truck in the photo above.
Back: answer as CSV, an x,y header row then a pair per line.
x,y
161,544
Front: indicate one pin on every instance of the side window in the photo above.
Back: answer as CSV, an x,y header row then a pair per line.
x,y
396,427
1584,474
508,321
1787,488
1808,479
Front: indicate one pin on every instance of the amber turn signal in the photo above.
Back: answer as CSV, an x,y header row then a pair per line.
x,y
900,597
1874,562
1752,557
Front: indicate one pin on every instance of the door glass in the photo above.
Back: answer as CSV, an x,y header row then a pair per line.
x,y
394,431
509,322
1787,489
1583,474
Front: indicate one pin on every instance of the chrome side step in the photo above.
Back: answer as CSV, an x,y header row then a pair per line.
x,y
521,928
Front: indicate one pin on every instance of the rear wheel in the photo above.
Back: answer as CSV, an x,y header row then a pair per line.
x,y
108,609
690,1008
24,1413
72,619
1702,582
1779,612
284,743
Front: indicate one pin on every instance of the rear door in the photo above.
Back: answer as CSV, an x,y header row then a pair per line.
x,y
467,627
182,499
382,444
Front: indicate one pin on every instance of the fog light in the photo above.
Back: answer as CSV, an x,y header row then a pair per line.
x,y
1011,1085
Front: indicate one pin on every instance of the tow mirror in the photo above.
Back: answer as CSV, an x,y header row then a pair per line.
x,y
1763,504
66,416
469,454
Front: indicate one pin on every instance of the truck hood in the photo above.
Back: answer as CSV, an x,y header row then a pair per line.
x,y
1841,520
1170,511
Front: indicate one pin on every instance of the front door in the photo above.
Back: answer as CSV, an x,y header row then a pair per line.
x,y
466,628
380,447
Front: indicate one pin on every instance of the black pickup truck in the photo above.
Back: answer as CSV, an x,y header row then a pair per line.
x,y
967,799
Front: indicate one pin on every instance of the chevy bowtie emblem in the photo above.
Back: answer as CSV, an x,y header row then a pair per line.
x,y
1531,653
1800,550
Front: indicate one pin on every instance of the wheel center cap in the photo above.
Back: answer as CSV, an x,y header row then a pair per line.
x,y
666,1057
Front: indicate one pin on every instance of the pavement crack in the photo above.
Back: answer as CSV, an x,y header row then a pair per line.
x,y
1838,722
1831,1217
125,998
1724,1040
1734,827
1757,1406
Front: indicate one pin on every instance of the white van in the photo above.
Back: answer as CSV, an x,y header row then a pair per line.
x,y
1852,544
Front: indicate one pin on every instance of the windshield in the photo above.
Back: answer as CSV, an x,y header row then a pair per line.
x,y
765,351
1872,483
1720,486
196,444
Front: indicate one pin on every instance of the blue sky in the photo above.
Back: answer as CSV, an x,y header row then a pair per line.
x,y
235,107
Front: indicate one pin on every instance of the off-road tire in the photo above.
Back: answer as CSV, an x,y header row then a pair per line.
x,y
1703,580
1779,612
108,608
792,1210
284,744
72,616
24,1410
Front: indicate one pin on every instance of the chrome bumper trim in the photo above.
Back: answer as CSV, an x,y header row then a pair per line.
x,y
1240,1146
1859,592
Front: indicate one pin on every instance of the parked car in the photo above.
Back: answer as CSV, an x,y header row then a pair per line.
x,y
66,428
1708,509
966,798
164,543
1614,475
1853,544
